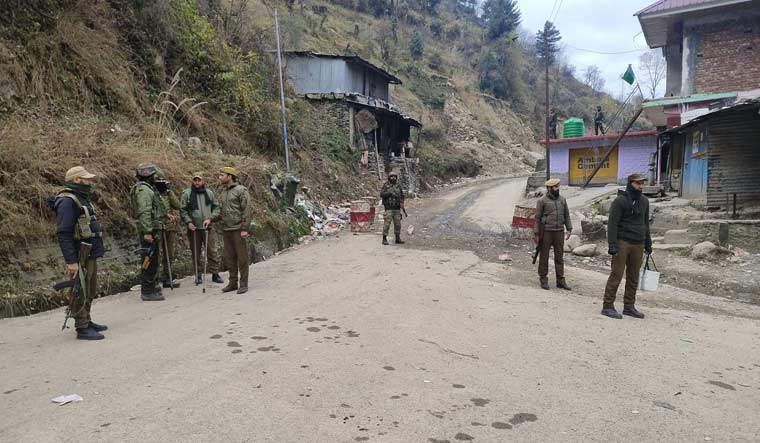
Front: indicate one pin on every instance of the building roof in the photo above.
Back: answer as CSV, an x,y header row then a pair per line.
x,y
369,102
350,58
667,101
746,105
658,19
630,134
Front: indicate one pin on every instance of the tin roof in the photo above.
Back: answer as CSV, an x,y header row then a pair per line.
x,y
351,58
630,134
670,6
667,101
738,107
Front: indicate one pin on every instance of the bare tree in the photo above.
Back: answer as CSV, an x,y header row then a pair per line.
x,y
652,65
592,77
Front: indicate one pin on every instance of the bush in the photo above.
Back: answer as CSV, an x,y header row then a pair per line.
x,y
416,45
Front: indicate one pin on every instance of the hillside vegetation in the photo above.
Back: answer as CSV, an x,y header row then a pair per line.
x,y
191,85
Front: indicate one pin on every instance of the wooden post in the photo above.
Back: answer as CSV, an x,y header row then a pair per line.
x,y
351,113
612,148
548,162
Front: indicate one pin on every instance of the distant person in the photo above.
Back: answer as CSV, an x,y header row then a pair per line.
x,y
599,121
77,223
393,202
171,204
552,220
553,120
234,204
198,208
150,215
628,236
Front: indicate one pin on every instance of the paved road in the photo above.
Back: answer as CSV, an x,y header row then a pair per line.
x,y
346,340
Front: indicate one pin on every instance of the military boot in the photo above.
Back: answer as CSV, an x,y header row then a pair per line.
x,y
562,284
216,278
544,283
611,313
230,287
631,311
89,334
385,240
97,327
398,240
153,296
198,279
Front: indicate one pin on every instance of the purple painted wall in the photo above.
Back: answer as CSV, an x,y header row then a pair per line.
x,y
633,155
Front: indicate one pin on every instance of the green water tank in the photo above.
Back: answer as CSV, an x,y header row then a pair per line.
x,y
573,127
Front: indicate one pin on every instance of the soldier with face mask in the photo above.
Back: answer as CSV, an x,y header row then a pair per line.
x,y
150,214
553,215
171,205
393,201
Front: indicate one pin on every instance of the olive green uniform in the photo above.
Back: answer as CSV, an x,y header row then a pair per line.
x,y
234,203
171,203
150,214
553,213
393,201
205,207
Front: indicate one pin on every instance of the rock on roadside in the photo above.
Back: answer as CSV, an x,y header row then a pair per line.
x,y
586,251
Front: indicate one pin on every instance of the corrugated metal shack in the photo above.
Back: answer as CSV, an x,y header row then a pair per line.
x,y
719,156
355,94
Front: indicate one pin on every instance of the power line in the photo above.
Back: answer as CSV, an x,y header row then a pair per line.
x,y
556,13
602,52
552,11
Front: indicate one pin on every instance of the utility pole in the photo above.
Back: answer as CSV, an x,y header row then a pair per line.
x,y
282,92
546,61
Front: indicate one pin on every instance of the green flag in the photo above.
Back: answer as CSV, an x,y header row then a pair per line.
x,y
628,76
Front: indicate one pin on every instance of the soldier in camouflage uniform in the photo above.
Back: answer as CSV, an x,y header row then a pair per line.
x,y
234,204
151,215
393,201
171,205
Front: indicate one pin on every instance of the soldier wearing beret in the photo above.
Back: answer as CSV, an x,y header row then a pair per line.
x,y
552,218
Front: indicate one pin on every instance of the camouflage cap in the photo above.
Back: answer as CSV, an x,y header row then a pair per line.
x,y
636,178
229,170
160,175
393,172
146,169
198,175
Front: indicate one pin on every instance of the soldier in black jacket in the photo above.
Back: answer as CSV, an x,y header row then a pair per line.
x,y
628,236
77,223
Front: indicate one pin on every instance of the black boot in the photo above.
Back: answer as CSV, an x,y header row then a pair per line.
x,y
544,283
398,240
172,284
385,239
198,280
216,278
562,284
89,334
96,327
631,311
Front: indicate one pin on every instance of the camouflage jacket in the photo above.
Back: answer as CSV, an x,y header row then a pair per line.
x,y
150,212
234,203
393,196
208,207
171,203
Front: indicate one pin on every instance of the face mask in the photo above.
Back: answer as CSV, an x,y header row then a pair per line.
x,y
162,186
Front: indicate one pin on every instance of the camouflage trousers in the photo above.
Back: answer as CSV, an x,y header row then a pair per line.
x,y
392,215
80,306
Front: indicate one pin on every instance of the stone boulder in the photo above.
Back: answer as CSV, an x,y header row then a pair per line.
x,y
707,251
594,230
573,242
589,250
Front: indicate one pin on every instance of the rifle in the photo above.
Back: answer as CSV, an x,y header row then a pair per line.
x,y
78,285
149,254
405,214
540,240
168,259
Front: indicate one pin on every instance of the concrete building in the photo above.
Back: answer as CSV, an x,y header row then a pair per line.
x,y
574,159
712,50
354,94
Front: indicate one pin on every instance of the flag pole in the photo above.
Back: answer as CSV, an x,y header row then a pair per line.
x,y
282,92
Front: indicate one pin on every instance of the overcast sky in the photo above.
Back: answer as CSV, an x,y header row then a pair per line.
x,y
596,25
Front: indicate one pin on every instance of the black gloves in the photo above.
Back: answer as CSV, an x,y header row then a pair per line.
x,y
613,249
648,246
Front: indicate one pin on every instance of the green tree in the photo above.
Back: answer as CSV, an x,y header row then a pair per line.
x,y
501,17
416,45
546,43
